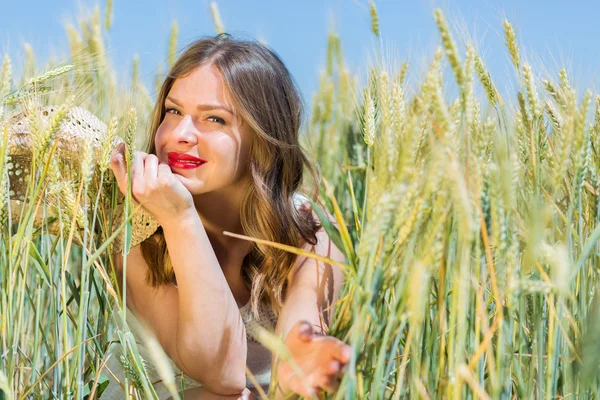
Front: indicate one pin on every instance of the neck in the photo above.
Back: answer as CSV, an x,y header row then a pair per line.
x,y
221,211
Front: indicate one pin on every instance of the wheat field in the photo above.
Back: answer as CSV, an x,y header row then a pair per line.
x,y
469,221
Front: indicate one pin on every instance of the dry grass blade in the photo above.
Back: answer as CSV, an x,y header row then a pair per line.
x,y
295,250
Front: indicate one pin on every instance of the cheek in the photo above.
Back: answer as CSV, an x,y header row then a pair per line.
x,y
224,146
227,149
161,135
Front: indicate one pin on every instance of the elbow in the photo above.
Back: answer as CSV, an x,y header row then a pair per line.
x,y
229,376
228,384
225,377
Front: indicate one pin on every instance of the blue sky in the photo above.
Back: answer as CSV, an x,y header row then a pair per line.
x,y
551,33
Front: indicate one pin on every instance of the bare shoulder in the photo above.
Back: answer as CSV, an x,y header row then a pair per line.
x,y
315,281
323,247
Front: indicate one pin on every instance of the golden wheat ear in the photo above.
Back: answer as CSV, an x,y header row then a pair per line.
x,y
62,146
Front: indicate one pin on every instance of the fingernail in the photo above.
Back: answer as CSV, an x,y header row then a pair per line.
x,y
347,352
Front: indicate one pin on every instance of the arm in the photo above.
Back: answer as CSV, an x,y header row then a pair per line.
x,y
201,393
313,290
198,322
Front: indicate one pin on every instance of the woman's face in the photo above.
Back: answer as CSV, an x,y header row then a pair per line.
x,y
200,121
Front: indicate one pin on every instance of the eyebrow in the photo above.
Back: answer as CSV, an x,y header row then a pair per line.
x,y
202,107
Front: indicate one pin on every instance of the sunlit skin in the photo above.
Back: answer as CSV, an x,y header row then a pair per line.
x,y
201,121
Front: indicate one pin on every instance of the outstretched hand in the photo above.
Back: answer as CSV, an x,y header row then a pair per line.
x,y
153,185
320,358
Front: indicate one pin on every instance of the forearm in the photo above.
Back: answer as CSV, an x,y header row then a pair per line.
x,y
202,393
210,337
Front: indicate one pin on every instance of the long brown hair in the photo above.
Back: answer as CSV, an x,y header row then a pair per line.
x,y
266,97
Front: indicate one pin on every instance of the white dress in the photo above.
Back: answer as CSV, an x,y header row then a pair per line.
x,y
258,359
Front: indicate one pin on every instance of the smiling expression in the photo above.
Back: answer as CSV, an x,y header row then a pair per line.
x,y
201,121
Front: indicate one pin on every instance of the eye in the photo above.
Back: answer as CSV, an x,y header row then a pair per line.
x,y
217,119
171,110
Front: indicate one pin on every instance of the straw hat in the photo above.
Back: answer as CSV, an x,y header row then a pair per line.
x,y
77,129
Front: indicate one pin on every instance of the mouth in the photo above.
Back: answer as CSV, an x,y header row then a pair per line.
x,y
184,161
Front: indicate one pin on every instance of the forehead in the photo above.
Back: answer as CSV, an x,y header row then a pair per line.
x,y
204,85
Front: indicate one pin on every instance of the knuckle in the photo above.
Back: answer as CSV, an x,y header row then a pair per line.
x,y
137,192
163,181
115,157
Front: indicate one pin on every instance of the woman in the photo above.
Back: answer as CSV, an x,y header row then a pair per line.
x,y
224,155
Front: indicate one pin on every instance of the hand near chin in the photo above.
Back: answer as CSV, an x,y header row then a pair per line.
x,y
320,358
153,185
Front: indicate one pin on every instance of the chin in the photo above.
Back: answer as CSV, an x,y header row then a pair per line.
x,y
196,188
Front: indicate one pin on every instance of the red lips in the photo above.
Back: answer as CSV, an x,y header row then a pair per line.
x,y
186,161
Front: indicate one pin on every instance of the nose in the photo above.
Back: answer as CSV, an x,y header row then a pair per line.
x,y
186,131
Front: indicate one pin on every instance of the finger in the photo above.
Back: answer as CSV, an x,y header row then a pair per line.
x,y
334,367
310,393
247,395
163,174
151,171
342,352
343,370
304,385
330,376
117,165
119,149
137,173
331,384
302,388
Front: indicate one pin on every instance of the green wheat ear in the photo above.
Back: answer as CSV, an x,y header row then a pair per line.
x,y
473,265
109,15
132,373
6,76
369,118
132,122
374,18
511,43
173,43
4,183
449,46
486,81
